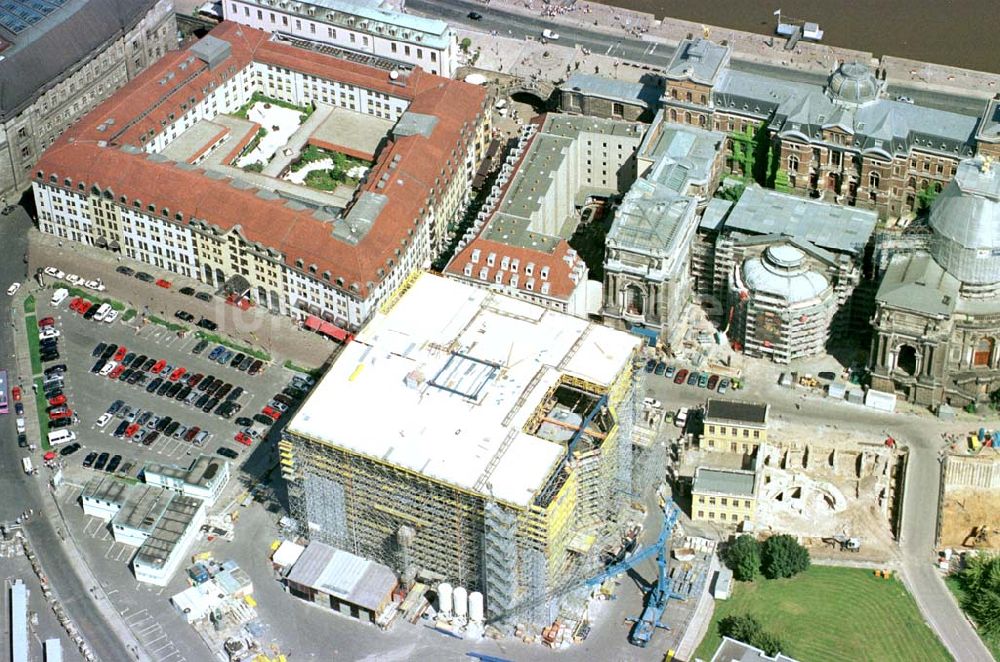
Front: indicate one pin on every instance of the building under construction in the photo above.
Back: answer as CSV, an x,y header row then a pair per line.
x,y
470,437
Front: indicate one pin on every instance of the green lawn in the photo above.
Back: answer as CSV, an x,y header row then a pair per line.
x,y
32,326
169,325
29,304
833,614
43,417
993,644
312,372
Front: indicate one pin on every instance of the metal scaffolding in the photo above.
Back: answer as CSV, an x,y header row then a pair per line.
x,y
499,558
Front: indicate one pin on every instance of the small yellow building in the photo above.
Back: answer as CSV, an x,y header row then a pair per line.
x,y
732,426
724,496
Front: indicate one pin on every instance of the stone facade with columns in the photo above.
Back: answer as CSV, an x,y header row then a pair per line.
x,y
937,317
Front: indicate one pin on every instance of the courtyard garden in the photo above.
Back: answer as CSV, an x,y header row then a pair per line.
x,y
326,170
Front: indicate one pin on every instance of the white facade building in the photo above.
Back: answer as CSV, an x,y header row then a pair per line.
x,y
359,25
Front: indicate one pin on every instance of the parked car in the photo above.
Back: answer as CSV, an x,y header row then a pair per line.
x,y
255,367
692,379
203,296
102,461
125,271
184,315
120,430
723,385
237,359
186,291
235,394
14,287
158,367
150,438
713,381
681,376
702,380
660,368
98,350
15,393
88,461
227,452
113,464
144,277
670,372
191,433
264,420
177,373
243,422
206,323
272,413
243,438
115,406
46,321
199,346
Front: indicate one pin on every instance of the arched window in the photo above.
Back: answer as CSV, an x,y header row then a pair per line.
x,y
983,351
702,120
687,96
873,180
687,118
634,300
793,163
673,115
906,359
912,182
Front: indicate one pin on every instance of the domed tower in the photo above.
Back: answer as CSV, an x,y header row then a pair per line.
x,y
783,305
965,219
854,83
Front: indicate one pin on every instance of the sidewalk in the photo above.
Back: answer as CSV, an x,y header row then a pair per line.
x,y
759,48
275,334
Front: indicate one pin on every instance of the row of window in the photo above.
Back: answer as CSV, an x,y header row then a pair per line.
x,y
722,516
734,431
724,501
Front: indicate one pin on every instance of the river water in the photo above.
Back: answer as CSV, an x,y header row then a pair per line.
x,y
962,33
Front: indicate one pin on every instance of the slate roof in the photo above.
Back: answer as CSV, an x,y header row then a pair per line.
x,y
699,60
735,410
616,90
833,227
724,481
884,126
43,54
918,283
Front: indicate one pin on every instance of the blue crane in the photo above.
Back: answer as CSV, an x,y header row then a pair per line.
x,y
660,592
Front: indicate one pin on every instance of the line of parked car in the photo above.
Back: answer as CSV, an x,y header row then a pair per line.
x,y
205,392
144,427
107,462
225,356
95,284
692,377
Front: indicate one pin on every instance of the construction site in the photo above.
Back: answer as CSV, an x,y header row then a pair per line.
x,y
836,491
486,447
970,490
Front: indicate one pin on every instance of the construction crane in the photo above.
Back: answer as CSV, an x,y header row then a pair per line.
x,y
660,592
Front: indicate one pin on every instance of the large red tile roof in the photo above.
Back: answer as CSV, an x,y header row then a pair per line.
x,y
90,153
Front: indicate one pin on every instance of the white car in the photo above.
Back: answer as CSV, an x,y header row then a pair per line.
x,y
95,285
20,424
652,403
111,316
108,367
12,290
549,34
681,418
48,332
55,273
74,279
103,419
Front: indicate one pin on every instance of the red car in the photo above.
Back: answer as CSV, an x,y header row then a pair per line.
x,y
15,393
165,284
58,400
56,415
84,307
243,438
131,430
680,376
46,322
120,354
75,304
177,374
271,413
117,372
159,366
195,379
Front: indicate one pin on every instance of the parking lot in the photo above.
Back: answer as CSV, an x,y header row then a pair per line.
x,y
89,394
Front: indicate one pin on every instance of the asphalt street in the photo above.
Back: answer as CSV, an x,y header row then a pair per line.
x,y
647,52
19,491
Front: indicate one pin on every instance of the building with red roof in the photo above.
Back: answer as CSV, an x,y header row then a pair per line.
x,y
150,173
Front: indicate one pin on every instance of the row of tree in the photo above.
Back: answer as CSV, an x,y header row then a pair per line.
x,y
980,582
777,557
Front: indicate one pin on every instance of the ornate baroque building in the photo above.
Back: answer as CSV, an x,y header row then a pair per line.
x,y
937,318
843,142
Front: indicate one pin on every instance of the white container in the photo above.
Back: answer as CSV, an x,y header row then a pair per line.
x,y
461,600
476,607
444,599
